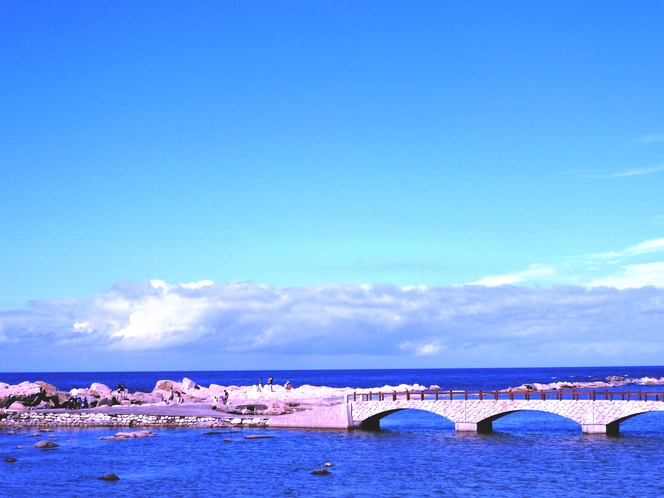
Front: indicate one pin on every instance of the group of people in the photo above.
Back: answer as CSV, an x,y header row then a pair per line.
x,y
75,401
171,398
223,399
270,382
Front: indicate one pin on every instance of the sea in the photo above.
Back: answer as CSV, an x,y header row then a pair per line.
x,y
415,453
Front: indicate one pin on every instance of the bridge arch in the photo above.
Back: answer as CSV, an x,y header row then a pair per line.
x,y
372,423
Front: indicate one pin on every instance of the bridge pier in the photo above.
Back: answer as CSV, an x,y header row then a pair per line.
x,y
483,427
612,429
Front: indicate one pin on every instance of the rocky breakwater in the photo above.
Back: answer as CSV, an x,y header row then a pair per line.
x,y
178,404
169,404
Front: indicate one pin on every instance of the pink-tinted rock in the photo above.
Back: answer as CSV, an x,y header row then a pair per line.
x,y
101,389
45,444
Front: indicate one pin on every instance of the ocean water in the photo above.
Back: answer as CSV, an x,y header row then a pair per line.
x,y
415,453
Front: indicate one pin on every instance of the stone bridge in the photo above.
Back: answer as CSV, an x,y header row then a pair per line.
x,y
595,415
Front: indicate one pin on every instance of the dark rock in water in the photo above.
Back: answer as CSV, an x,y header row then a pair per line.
x,y
257,437
45,444
109,477
321,472
228,440
10,459
212,433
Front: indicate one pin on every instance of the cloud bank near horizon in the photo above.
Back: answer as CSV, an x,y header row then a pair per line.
x,y
460,326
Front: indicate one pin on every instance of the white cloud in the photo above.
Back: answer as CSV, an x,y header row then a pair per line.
x,y
633,276
467,325
637,172
624,174
592,270
532,272
651,138
82,327
654,245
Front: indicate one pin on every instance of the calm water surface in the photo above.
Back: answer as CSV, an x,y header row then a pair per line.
x,y
415,454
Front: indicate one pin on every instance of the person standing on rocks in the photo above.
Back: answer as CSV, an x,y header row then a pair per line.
x,y
171,397
269,382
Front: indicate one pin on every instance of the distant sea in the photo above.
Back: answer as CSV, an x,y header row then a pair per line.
x,y
415,453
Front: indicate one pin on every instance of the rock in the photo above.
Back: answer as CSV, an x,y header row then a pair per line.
x,y
10,459
258,437
36,434
17,405
20,447
50,389
100,389
45,444
112,401
328,464
129,435
109,477
189,384
228,440
321,472
26,393
163,385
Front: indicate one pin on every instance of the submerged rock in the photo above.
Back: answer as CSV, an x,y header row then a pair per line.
x,y
10,460
128,435
321,472
45,444
109,477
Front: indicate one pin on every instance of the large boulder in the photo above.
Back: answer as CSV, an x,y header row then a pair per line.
x,y
27,393
189,384
164,385
100,390
49,388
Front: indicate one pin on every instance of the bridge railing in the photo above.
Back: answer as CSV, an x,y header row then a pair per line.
x,y
528,395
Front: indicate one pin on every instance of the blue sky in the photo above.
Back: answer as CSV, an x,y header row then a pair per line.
x,y
308,148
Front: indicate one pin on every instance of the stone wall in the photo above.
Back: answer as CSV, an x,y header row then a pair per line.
x,y
16,419
330,417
